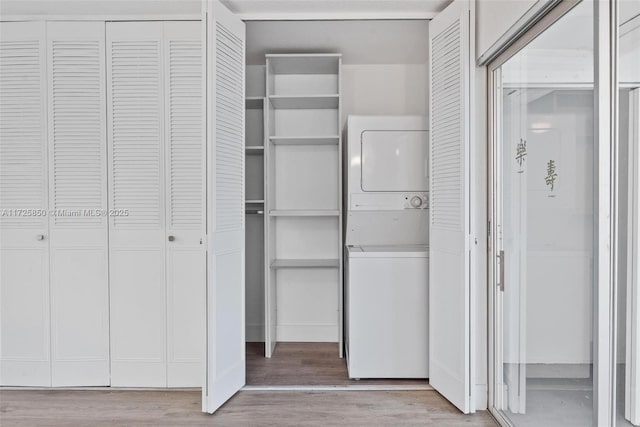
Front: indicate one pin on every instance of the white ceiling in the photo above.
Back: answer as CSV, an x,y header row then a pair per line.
x,y
247,9
360,42
100,7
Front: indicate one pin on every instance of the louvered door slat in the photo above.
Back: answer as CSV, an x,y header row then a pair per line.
x,y
136,142
22,135
446,174
77,131
185,139
229,145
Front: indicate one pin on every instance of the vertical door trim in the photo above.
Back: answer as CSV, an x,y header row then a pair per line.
x,y
632,357
606,132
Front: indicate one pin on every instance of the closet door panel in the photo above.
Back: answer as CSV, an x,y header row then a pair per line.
x,y
136,194
78,198
225,332
24,242
185,203
450,338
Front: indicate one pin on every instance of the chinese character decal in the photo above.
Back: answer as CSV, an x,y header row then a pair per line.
x,y
550,179
521,153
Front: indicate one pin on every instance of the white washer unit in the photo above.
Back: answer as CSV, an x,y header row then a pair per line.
x,y
386,288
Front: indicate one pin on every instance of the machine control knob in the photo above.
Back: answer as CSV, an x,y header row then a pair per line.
x,y
416,201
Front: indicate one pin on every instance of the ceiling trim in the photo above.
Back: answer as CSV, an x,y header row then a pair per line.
x,y
106,17
336,16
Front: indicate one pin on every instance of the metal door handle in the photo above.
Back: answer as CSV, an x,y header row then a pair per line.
x,y
172,238
501,271
40,237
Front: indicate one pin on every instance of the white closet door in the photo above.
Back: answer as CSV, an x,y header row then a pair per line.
x,y
225,48
78,194
136,194
24,240
632,380
449,252
185,201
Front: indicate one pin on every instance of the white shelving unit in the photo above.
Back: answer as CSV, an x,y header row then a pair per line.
x,y
303,199
300,212
305,102
305,140
256,220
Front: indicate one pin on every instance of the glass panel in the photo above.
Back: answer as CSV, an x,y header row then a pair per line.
x,y
628,292
547,227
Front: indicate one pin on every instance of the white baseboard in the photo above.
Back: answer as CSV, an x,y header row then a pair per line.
x,y
481,397
254,332
307,333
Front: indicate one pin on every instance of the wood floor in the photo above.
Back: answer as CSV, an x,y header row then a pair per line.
x,y
308,364
58,408
293,364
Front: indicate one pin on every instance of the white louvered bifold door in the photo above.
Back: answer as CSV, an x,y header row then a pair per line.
x,y
136,195
24,237
78,197
185,202
225,48
449,256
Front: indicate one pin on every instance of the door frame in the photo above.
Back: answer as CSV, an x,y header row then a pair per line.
x,y
605,121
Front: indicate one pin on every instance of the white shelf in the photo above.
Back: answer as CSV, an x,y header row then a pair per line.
x,y
321,213
254,149
254,102
305,263
306,63
253,201
305,140
301,102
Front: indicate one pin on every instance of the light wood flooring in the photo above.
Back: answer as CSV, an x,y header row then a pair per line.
x,y
293,364
248,408
307,364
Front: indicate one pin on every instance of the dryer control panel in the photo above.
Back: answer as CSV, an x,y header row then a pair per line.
x,y
417,201
388,201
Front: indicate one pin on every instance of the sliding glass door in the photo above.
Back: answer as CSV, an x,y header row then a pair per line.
x,y
565,219
544,226
627,326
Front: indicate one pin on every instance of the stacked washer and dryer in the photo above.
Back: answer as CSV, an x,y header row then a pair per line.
x,y
386,247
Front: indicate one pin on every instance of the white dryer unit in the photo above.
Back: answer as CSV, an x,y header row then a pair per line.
x,y
386,287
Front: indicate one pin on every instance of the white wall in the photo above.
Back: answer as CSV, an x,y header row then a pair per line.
x,y
390,89
495,17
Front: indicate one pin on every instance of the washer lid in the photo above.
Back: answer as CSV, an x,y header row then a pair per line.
x,y
399,251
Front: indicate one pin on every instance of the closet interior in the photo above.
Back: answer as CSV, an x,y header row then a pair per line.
x,y
302,81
